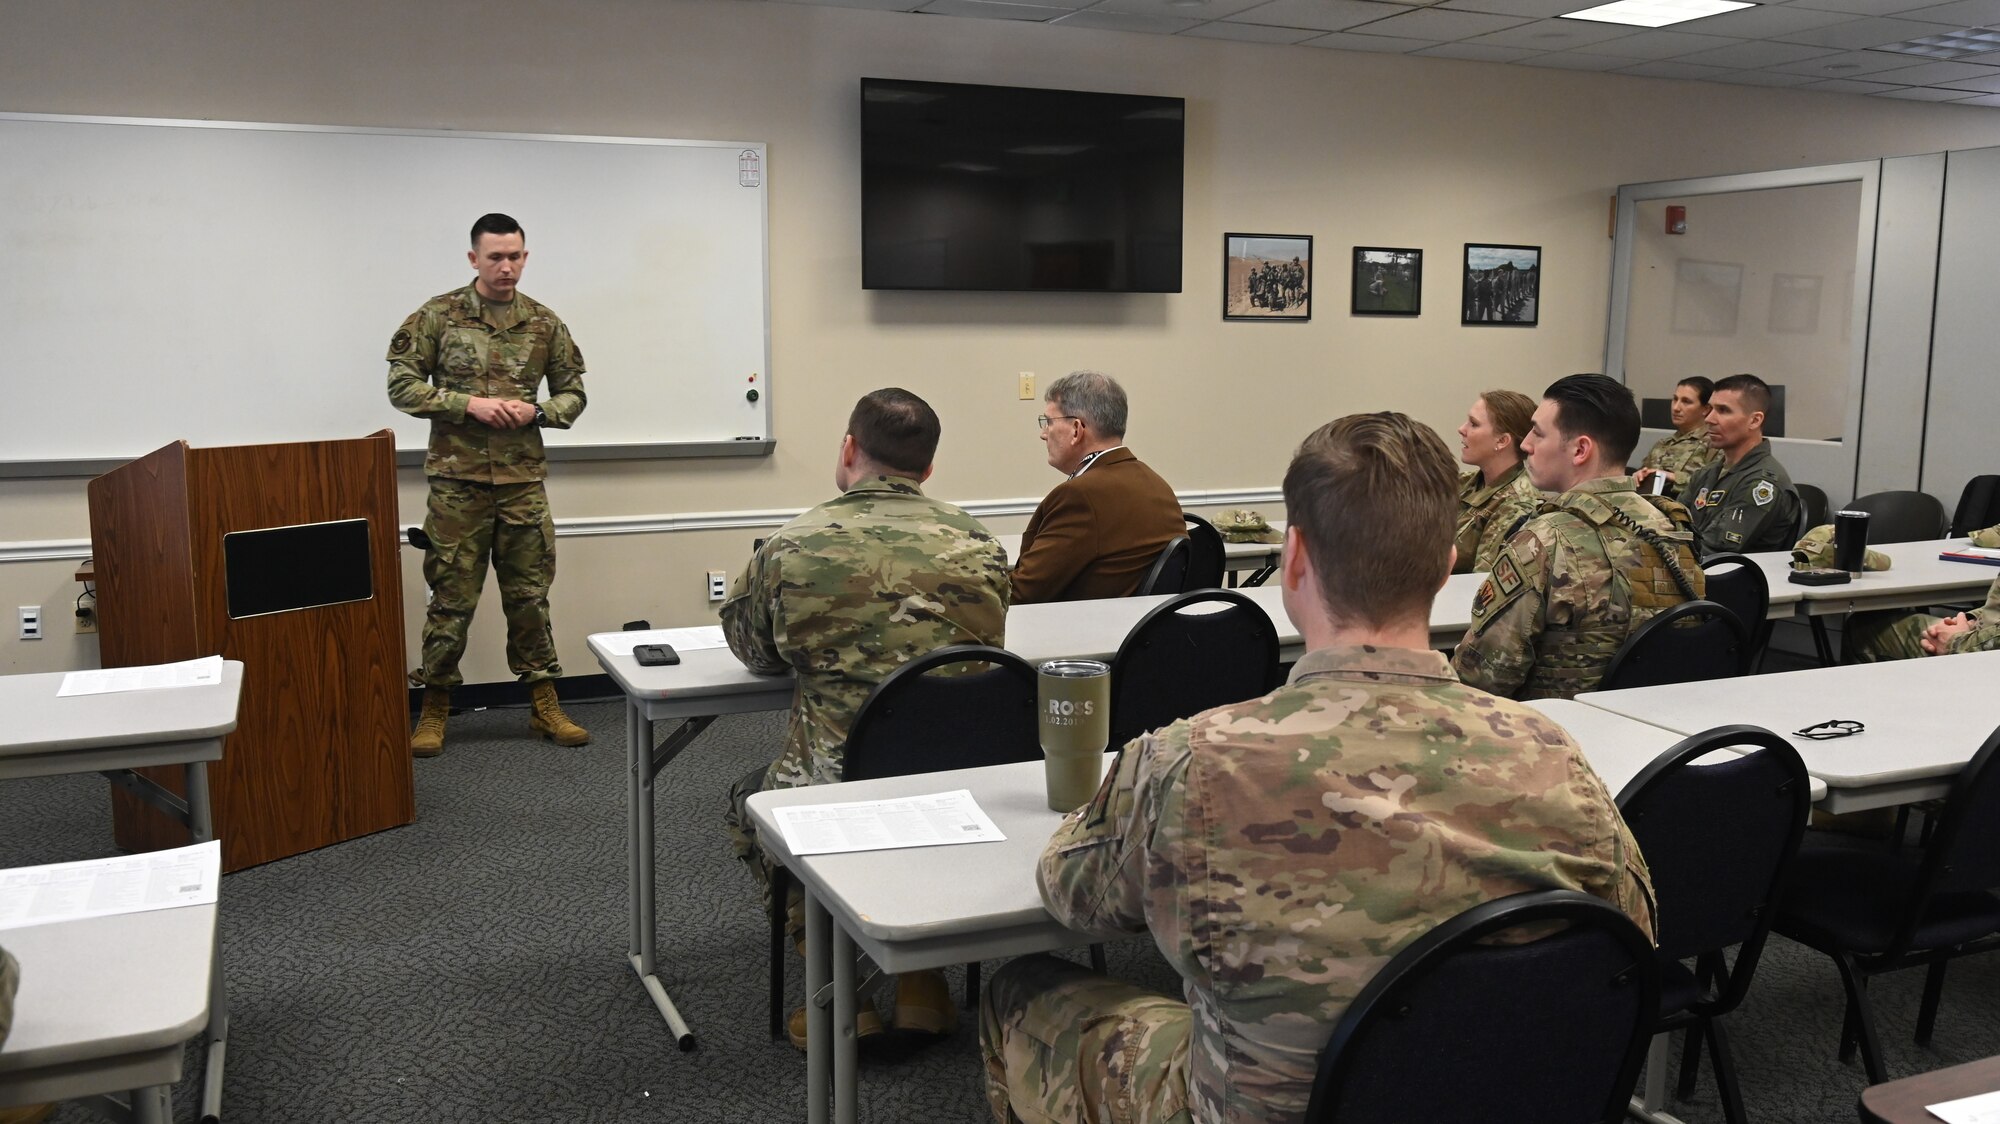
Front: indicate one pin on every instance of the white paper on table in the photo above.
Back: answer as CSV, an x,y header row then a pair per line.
x,y
1982,1109
934,820
683,639
203,672
39,895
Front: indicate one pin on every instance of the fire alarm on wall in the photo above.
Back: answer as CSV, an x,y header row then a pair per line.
x,y
1677,220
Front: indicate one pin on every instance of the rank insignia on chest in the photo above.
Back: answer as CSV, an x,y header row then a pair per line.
x,y
1763,492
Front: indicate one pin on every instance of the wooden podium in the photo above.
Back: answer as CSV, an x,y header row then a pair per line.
x,y
321,749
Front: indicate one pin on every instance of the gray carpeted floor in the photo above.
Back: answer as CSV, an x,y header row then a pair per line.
x,y
471,966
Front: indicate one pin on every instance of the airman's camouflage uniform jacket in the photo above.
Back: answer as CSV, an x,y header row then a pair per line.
x,y
458,347
1572,585
1747,507
1682,454
1486,514
1282,850
850,591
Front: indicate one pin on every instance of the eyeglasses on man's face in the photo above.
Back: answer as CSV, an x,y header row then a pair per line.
x,y
1045,419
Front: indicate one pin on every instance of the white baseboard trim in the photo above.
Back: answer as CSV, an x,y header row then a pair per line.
x,y
76,550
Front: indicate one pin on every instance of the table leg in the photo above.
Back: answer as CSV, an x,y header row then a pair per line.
x,y
639,869
1650,1105
1822,643
201,828
819,1020
845,1074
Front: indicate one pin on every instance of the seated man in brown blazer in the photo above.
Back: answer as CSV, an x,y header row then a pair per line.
x,y
1099,532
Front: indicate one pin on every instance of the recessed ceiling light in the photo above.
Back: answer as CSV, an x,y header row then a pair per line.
x,y
1656,13
1950,45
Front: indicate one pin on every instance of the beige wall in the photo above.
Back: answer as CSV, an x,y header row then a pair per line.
x,y
1351,148
1793,232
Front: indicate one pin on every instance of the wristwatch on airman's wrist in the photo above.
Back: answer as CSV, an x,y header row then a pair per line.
x,y
540,417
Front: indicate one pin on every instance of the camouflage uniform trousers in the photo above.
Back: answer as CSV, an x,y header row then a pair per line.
x,y
10,978
1887,635
1063,1045
468,523
743,840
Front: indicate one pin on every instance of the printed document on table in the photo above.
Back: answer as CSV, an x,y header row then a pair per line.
x,y
38,895
1982,1109
203,672
885,825
683,639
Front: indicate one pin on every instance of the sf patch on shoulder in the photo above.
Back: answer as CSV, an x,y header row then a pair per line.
x,y
400,343
1763,492
1505,575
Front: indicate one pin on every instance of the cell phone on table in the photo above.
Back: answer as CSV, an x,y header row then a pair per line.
x,y
655,655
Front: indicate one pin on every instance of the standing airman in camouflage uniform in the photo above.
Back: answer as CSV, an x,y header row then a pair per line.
x,y
1496,494
472,361
847,593
1281,851
1744,500
1687,452
1599,561
1879,636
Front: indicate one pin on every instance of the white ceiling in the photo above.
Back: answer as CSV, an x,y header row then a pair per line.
x,y
1801,44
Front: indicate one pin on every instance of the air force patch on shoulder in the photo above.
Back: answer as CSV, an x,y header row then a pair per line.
x,y
400,342
1763,492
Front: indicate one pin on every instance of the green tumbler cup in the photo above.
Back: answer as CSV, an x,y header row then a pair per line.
x,y
1075,708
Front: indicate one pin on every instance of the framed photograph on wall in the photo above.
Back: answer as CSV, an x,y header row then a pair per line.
x,y
1503,285
1267,276
1388,282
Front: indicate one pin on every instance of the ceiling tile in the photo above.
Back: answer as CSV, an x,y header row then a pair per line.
x,y
1374,44
1537,9
1475,52
1326,15
1435,23
1859,35
1861,7
1576,60
986,9
1552,35
1925,93
1764,78
1245,32
877,5
1205,10
1984,85
1765,21
1660,45
1983,99
1676,69
1750,56
1847,86
1938,73
1963,13
1848,64
1115,21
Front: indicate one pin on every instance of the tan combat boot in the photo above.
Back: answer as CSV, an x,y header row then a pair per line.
x,y
549,720
427,740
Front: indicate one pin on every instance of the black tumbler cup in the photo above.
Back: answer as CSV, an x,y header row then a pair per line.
x,y
1850,539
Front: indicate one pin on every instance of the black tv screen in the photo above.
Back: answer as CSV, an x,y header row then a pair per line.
x,y
1002,188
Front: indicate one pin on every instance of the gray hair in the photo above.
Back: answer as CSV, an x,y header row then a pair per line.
x,y
1093,396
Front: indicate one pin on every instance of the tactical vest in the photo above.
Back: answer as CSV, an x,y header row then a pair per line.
x,y
1650,571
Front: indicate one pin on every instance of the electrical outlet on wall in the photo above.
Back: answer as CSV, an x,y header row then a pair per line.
x,y
1027,386
86,619
718,585
31,622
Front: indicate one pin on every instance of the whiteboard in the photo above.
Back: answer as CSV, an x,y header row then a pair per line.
x,y
237,283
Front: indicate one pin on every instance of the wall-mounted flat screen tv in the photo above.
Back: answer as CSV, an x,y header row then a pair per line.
x,y
1002,188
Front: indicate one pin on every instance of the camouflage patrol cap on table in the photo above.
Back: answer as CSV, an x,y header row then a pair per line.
x,y
1816,549
1244,525
1987,538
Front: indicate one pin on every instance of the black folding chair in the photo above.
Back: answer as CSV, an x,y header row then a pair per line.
x,y
919,721
1457,1029
1875,908
1170,569
1692,641
1978,506
1207,560
1738,584
1814,509
1900,516
1719,840
1197,651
